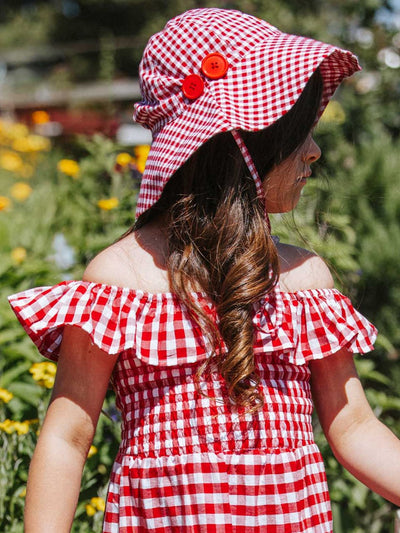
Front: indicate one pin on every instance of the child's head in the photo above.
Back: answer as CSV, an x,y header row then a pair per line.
x,y
214,70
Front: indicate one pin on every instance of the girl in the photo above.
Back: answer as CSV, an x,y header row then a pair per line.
x,y
216,337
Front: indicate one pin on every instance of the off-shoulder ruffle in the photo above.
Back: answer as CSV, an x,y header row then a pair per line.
x,y
297,326
311,324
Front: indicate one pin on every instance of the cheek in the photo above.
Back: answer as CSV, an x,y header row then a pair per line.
x,y
282,191
282,180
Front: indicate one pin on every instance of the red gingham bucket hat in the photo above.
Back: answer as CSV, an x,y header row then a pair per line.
x,y
215,70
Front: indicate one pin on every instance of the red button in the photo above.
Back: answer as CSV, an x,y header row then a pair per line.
x,y
214,66
193,86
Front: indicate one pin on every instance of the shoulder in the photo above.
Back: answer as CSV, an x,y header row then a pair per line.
x,y
126,263
115,265
111,266
302,269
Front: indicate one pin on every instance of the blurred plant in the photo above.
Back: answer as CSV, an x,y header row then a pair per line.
x,y
21,191
44,373
141,153
46,237
5,203
64,255
69,167
122,160
334,113
92,451
96,504
18,255
108,203
10,161
40,117
5,395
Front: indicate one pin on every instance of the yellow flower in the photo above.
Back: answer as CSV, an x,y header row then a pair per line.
x,y
142,150
16,130
38,143
4,203
90,510
21,428
22,494
98,503
141,153
18,255
7,426
92,451
123,159
40,117
334,113
69,167
44,373
11,426
140,164
31,143
102,469
5,395
21,191
10,161
108,203
26,171
21,144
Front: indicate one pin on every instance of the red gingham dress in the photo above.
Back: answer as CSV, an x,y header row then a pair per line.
x,y
187,462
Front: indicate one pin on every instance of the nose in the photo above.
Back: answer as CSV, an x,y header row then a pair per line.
x,y
312,152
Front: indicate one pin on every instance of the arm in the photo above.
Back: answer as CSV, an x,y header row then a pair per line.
x,y
365,446
54,480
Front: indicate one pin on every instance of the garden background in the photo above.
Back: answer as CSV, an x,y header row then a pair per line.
x,y
69,174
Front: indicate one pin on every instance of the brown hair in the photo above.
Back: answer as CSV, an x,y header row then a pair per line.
x,y
219,240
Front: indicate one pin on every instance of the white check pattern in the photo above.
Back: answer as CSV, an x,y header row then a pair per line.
x,y
267,72
188,463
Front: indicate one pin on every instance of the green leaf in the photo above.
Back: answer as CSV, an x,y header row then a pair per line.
x,y
29,393
9,376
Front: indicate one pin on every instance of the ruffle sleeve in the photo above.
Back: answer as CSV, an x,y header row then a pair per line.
x,y
296,327
98,310
311,324
160,331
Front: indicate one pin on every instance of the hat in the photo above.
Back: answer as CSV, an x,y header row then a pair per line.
x,y
215,70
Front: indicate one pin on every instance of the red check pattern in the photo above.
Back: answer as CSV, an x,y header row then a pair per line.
x,y
267,72
188,462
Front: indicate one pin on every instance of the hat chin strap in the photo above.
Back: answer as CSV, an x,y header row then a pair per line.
x,y
253,171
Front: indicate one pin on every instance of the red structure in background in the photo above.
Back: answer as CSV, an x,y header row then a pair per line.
x,y
72,122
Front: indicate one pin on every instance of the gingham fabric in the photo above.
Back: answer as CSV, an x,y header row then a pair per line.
x,y
267,72
188,463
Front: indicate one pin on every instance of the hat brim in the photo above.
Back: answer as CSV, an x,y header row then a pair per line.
x,y
257,90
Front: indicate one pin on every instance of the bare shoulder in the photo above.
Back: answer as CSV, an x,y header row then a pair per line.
x,y
302,269
127,263
113,265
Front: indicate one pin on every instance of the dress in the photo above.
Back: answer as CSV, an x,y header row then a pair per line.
x,y
187,463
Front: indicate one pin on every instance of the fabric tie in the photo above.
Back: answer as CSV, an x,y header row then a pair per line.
x,y
253,171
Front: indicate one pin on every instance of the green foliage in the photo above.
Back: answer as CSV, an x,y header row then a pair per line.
x,y
59,204
17,25
15,454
